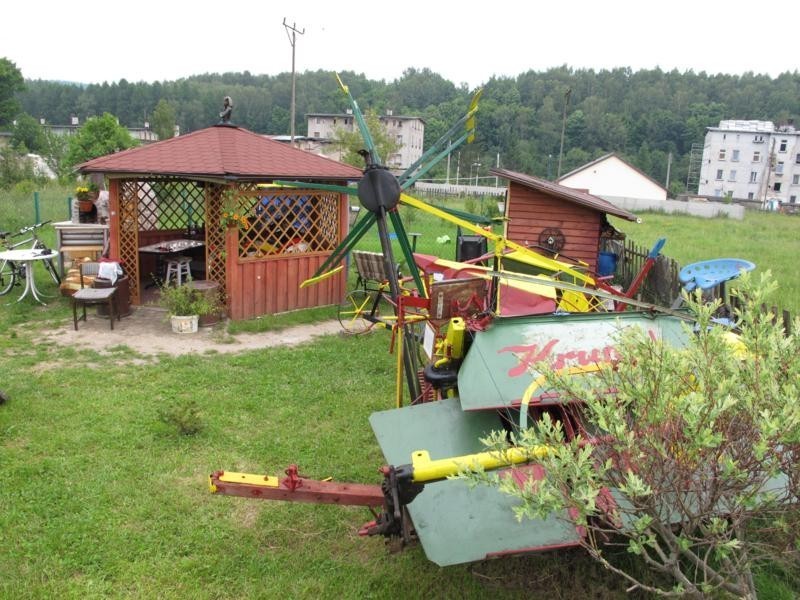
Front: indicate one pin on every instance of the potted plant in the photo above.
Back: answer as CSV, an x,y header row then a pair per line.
x,y
86,195
185,305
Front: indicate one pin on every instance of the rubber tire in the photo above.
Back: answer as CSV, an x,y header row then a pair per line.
x,y
7,277
51,268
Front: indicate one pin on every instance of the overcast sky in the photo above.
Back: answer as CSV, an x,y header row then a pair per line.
x,y
465,42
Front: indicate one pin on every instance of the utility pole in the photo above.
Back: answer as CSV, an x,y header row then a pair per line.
x,y
669,166
292,33
563,128
447,180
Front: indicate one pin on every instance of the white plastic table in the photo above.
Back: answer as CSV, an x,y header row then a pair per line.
x,y
28,257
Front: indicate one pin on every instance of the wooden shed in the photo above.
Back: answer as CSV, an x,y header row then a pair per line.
x,y
548,215
189,188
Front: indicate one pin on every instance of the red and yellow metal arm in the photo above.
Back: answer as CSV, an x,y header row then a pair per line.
x,y
294,488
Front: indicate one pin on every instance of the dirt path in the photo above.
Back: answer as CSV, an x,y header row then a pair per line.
x,y
148,332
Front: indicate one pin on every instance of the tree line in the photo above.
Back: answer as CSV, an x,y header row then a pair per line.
x,y
642,115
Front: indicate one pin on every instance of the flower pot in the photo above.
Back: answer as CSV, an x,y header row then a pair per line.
x,y
184,323
85,205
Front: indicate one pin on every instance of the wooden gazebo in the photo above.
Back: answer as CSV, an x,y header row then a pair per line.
x,y
183,187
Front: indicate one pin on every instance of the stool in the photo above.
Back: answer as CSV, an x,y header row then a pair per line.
x,y
86,296
180,266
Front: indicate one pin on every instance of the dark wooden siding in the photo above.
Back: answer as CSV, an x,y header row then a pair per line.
x,y
530,212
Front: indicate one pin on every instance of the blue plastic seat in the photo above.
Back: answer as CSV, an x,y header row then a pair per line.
x,y
710,273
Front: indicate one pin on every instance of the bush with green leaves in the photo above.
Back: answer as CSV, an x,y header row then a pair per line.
x,y
692,460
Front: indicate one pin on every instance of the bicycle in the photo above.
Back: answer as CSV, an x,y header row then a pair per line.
x,y
13,273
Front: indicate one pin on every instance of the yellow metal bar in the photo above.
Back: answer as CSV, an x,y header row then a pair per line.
x,y
248,478
427,470
318,278
398,392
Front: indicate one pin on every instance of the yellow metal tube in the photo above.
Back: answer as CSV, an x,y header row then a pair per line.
x,y
427,470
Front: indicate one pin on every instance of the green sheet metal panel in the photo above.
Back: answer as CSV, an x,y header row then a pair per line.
x,y
456,524
499,365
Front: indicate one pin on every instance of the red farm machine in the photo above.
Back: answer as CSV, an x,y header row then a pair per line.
x,y
478,375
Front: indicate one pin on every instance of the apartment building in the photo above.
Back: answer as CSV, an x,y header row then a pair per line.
x,y
144,135
752,160
408,132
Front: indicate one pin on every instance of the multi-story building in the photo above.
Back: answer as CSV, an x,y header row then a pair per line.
x,y
752,160
408,132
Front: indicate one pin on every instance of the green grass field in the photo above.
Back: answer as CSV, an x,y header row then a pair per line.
x,y
100,498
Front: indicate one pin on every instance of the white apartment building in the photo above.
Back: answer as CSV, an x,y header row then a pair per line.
x,y
408,132
751,160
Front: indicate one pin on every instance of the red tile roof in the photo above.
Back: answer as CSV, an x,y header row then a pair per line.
x,y
565,193
221,152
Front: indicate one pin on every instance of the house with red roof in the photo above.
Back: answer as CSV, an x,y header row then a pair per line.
x,y
216,186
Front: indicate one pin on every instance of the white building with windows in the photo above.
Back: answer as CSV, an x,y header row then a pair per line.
x,y
752,160
408,132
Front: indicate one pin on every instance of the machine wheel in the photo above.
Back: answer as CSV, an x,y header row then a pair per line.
x,y
356,314
7,277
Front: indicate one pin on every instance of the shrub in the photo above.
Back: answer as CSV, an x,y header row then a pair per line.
x,y
183,416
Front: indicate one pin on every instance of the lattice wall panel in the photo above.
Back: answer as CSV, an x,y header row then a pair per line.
x,y
167,204
129,192
289,222
215,237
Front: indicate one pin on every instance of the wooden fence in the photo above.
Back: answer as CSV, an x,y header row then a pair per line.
x,y
662,285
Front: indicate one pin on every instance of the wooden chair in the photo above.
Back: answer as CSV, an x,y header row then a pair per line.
x,y
93,296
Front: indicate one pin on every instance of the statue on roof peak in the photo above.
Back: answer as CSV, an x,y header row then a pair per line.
x,y
227,109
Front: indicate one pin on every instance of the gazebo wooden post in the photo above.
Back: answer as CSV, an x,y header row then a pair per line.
x,y
113,218
232,284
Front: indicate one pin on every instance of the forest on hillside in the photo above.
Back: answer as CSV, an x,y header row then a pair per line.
x,y
642,115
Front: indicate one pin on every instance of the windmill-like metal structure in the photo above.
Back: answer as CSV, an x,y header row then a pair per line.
x,y
379,192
